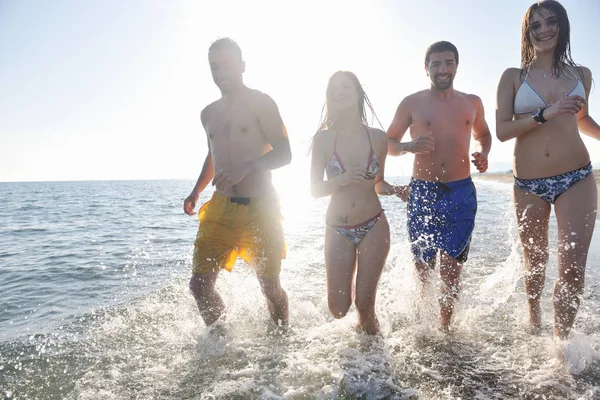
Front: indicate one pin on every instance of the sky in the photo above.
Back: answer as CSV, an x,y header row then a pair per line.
x,y
107,89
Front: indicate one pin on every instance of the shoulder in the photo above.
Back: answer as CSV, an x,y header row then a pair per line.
x,y
376,133
586,76
511,75
411,100
323,138
207,111
260,98
587,73
420,95
473,99
378,136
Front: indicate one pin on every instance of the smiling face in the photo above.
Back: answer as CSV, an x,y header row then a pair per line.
x,y
543,30
441,69
546,29
342,93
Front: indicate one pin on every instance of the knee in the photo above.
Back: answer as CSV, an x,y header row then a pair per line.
x,y
199,287
451,287
271,289
339,309
537,253
537,271
572,281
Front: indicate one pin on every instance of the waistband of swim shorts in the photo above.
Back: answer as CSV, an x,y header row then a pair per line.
x,y
446,185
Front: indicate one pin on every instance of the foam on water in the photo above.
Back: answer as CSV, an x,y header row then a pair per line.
x,y
151,343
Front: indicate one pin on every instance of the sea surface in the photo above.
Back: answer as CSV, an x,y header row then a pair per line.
x,y
95,304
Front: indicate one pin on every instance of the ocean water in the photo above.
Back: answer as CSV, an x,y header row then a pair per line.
x,y
95,305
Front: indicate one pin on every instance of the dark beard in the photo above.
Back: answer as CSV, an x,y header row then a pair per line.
x,y
442,85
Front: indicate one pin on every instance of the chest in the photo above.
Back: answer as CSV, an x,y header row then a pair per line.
x,y
446,121
445,118
353,154
238,124
550,90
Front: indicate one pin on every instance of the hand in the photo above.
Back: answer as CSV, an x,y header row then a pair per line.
x,y
226,178
402,192
422,145
353,175
480,161
568,105
189,204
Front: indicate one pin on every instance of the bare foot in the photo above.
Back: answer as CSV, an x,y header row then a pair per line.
x,y
217,329
370,326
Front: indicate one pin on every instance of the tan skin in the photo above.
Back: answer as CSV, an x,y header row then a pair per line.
x,y
552,148
246,140
442,122
353,200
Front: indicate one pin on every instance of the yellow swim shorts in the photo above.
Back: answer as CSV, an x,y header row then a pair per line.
x,y
249,228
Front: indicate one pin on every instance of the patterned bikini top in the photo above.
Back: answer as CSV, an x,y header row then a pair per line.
x,y
335,166
528,99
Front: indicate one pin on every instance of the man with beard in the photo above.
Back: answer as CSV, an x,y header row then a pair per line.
x,y
246,140
442,200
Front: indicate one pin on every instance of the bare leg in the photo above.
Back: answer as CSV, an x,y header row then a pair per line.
x,y
277,299
533,215
340,262
450,270
424,271
372,254
576,215
208,300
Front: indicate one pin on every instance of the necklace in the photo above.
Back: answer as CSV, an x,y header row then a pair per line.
x,y
548,74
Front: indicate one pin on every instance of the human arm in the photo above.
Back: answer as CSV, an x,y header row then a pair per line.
x,y
481,135
586,123
382,187
401,122
320,187
274,130
506,127
206,175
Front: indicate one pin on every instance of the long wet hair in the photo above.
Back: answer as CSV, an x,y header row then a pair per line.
x,y
562,52
328,120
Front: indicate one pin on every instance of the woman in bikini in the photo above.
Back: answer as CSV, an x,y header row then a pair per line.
x,y
543,105
357,236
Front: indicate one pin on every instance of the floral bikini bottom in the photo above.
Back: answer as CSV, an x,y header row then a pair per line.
x,y
550,188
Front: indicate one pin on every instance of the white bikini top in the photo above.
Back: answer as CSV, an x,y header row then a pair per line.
x,y
528,99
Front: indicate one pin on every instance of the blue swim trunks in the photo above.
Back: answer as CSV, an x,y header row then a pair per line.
x,y
441,216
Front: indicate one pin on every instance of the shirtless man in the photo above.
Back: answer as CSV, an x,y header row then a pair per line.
x,y
246,140
442,202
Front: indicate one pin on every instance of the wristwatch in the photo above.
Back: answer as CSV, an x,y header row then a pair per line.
x,y
538,116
